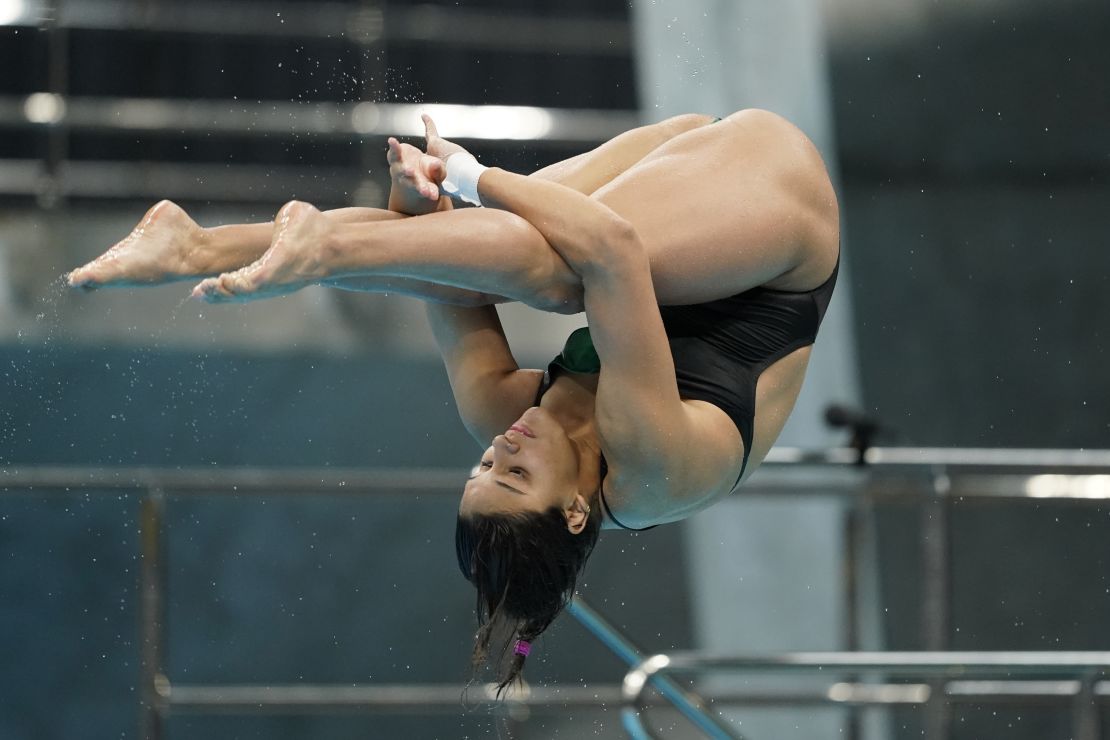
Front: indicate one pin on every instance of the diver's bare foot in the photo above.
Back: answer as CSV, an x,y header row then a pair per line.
x,y
292,262
158,250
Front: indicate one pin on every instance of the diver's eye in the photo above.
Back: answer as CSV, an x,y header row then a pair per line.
x,y
518,472
485,464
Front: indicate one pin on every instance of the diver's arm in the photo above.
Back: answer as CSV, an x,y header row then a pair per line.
x,y
584,232
490,389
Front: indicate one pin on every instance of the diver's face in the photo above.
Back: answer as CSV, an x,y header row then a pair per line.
x,y
531,467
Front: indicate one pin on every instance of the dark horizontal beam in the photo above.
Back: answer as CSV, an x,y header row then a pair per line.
x,y
355,23
191,182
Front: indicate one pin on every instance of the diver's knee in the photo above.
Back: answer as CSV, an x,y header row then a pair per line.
x,y
680,124
561,297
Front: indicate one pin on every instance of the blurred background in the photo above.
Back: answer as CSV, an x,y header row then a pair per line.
x,y
970,145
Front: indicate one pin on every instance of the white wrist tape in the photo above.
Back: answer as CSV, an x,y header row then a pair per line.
x,y
461,181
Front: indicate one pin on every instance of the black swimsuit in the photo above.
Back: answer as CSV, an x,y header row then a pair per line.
x,y
720,348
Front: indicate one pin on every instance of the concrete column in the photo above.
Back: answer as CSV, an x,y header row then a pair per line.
x,y
766,575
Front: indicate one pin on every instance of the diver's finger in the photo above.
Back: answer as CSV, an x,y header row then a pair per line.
x,y
394,153
435,168
430,130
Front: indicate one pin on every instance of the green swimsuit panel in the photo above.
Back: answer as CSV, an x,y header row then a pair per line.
x,y
579,355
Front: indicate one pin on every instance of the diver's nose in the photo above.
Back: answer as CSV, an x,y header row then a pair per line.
x,y
504,446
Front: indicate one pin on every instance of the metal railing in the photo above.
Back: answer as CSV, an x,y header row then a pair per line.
x,y
934,477
1087,693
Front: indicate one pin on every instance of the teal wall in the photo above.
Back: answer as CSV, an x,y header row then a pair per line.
x,y
270,589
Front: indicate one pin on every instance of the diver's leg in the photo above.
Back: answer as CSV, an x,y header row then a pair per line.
x,y
720,208
491,252
596,168
471,249
167,246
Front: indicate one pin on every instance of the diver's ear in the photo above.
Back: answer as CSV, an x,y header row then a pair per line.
x,y
577,514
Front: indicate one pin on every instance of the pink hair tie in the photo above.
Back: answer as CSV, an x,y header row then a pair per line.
x,y
522,647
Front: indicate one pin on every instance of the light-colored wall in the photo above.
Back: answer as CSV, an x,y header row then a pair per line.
x,y
765,574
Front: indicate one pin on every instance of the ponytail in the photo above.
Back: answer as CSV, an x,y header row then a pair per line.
x,y
525,567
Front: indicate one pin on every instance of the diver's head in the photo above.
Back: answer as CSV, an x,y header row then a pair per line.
x,y
525,528
533,466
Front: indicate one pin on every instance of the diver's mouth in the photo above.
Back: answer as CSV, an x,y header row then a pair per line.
x,y
521,429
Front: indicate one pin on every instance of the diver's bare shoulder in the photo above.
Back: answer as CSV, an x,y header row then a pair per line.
x,y
694,466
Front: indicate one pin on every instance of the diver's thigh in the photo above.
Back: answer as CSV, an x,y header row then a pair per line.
x,y
720,209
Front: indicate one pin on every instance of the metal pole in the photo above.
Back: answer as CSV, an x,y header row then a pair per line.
x,y
691,705
152,680
935,608
367,29
853,536
57,133
959,663
1086,717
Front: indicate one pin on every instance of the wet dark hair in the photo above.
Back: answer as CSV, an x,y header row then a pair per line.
x,y
525,567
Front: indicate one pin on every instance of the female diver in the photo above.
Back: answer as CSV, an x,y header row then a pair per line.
x,y
704,253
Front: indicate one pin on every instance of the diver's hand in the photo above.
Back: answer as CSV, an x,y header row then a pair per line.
x,y
436,146
415,178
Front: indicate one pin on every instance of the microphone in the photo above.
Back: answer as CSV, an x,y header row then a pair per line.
x,y
862,425
840,417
